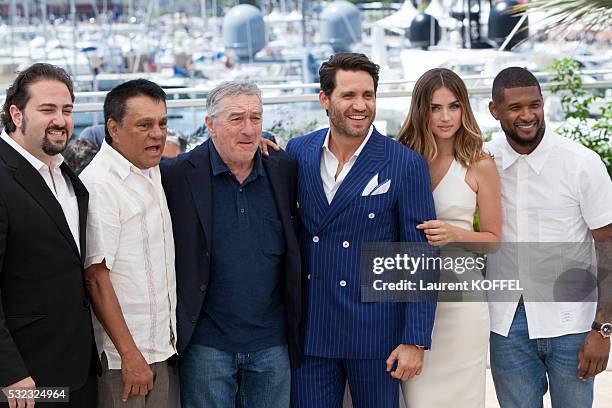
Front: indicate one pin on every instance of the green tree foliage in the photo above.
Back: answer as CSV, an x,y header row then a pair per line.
x,y
592,132
286,127
593,15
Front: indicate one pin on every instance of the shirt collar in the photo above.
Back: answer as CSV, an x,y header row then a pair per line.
x,y
122,166
535,159
219,166
359,149
56,160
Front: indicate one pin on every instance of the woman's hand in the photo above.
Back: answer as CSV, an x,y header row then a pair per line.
x,y
440,233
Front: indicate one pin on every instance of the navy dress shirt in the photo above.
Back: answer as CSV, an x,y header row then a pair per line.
x,y
243,310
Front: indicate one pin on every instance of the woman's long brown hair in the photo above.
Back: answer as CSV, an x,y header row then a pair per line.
x,y
415,132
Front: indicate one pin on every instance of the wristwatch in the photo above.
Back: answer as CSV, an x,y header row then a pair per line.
x,y
605,329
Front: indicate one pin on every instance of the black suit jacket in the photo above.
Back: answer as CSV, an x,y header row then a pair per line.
x,y
187,182
45,319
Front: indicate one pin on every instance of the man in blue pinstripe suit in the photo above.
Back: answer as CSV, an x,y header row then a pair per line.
x,y
356,186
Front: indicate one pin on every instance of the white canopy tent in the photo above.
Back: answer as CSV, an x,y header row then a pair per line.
x,y
401,19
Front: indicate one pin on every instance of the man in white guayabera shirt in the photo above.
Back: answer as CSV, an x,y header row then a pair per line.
x,y
130,250
555,193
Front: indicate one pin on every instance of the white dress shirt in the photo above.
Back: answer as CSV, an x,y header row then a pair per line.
x,y
60,185
129,228
557,193
329,166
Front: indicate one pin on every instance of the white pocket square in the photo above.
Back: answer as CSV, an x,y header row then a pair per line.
x,y
373,188
382,189
370,186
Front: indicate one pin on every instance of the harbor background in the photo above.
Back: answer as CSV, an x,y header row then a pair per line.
x,y
188,47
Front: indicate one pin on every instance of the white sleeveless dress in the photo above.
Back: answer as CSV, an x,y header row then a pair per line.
x,y
454,369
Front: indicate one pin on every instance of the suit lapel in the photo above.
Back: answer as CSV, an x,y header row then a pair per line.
x,y
82,196
200,180
35,185
312,172
371,159
32,182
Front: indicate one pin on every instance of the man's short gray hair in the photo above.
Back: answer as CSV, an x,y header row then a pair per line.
x,y
227,89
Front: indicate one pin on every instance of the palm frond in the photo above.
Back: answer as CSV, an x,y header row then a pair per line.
x,y
592,15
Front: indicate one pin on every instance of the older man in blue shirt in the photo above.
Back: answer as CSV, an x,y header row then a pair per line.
x,y
238,265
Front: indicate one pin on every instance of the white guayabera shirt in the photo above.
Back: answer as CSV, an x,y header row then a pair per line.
x,y
129,228
557,193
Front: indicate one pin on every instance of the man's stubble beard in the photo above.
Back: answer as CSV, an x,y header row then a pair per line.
x,y
337,119
530,142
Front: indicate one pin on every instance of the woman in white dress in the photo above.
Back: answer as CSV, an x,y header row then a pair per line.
x,y
441,127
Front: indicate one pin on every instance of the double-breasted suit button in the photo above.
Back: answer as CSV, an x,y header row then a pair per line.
x,y
371,215
346,244
194,319
203,288
86,303
315,239
343,283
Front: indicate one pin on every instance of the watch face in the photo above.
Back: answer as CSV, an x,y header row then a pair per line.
x,y
606,329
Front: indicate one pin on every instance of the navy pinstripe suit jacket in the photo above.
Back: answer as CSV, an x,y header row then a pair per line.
x,y
338,324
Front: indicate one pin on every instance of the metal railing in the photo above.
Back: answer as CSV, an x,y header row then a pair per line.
x,y
292,98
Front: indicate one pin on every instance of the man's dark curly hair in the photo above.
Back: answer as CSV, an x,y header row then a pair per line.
x,y
18,93
345,61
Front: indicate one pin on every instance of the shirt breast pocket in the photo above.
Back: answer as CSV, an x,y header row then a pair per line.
x,y
274,239
553,224
132,209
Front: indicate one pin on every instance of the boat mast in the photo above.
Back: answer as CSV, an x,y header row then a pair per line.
x,y
12,13
203,14
74,37
43,14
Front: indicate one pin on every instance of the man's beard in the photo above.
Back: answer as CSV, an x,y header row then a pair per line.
x,y
46,145
534,141
337,119
51,149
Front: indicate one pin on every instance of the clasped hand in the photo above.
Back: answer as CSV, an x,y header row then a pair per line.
x,y
440,233
409,360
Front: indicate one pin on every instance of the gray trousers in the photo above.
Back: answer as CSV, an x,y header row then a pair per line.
x,y
110,388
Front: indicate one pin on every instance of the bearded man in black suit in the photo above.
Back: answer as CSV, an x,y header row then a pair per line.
x,y
46,335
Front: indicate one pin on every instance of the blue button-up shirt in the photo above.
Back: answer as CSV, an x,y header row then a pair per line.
x,y
243,310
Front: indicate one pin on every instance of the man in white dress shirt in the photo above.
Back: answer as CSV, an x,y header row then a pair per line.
x,y
130,253
554,190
